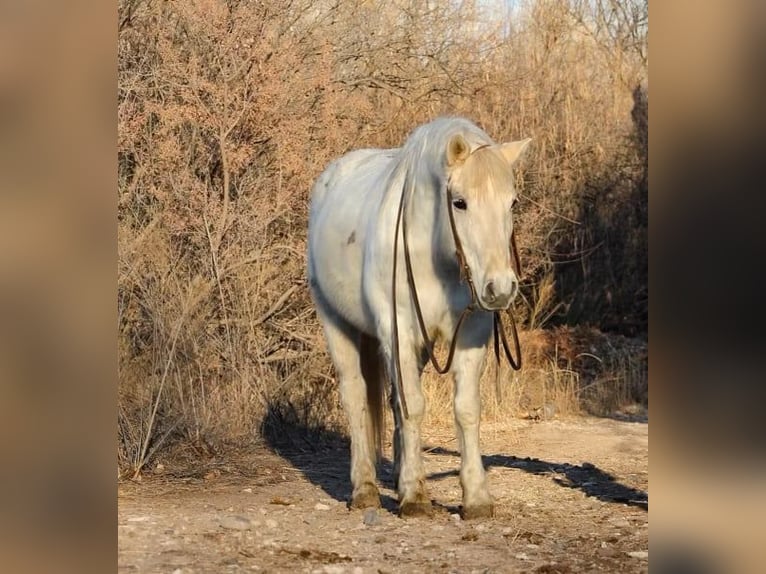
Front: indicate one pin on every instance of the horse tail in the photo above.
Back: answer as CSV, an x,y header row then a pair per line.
x,y
375,377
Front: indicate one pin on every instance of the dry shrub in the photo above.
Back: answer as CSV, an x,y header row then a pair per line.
x,y
611,370
229,109
566,371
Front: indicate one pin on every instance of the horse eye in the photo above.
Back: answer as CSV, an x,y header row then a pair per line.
x,y
460,204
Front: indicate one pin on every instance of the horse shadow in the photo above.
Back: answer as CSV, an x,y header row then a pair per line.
x,y
322,455
586,477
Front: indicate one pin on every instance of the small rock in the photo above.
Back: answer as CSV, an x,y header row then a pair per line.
x,y
334,569
320,506
606,551
236,522
619,522
522,556
270,523
455,517
640,554
247,490
371,517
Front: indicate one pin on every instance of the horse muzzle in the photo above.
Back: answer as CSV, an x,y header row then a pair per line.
x,y
496,297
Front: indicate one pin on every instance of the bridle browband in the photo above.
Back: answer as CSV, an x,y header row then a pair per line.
x,y
465,274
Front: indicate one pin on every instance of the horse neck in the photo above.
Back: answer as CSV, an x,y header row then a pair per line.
x,y
429,227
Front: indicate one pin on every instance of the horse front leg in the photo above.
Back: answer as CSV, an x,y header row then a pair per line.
x,y
408,465
467,368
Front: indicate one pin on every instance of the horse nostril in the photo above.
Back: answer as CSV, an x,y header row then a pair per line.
x,y
489,292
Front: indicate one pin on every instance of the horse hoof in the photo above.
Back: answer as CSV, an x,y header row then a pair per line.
x,y
366,496
413,508
478,511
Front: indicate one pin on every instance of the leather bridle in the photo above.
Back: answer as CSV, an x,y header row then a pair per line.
x,y
465,274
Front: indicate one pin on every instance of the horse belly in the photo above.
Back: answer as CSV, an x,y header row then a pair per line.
x,y
337,274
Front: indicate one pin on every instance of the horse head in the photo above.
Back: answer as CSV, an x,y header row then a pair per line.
x,y
481,195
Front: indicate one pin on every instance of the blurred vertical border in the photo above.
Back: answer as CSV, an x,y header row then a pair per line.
x,y
706,280
57,286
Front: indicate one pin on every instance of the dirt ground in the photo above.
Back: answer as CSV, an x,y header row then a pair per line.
x,y
571,496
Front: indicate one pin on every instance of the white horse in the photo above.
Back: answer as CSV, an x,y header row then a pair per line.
x,y
448,169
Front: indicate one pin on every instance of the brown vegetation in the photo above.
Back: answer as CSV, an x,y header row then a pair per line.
x,y
227,111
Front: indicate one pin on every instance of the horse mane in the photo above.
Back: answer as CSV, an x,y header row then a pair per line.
x,y
423,154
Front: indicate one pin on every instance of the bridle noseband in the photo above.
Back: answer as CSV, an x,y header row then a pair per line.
x,y
465,275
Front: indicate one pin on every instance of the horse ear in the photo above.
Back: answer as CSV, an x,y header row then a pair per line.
x,y
457,150
512,151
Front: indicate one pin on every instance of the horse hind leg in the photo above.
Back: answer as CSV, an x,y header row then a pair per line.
x,y
396,441
345,347
374,375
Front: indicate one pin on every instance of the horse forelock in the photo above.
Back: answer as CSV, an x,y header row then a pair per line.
x,y
486,171
423,154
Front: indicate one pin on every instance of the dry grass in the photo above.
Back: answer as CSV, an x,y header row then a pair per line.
x,y
227,112
565,372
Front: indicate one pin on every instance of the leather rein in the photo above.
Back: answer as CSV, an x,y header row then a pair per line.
x,y
499,335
